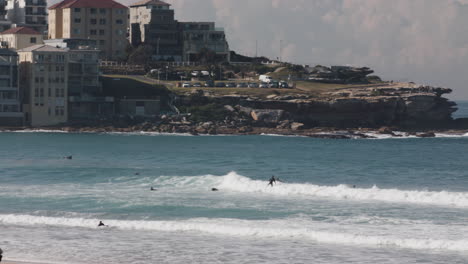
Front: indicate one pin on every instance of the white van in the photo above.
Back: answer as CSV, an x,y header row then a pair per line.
x,y
265,78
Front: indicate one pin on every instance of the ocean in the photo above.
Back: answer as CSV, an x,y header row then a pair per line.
x,y
401,200
462,111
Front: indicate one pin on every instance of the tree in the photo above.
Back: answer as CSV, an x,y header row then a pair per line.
x,y
141,55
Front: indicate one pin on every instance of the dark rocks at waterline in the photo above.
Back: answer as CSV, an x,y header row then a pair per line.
x,y
426,135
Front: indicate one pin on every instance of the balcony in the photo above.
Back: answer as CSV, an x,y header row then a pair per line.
x,y
36,14
36,3
90,99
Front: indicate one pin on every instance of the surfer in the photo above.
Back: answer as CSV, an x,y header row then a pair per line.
x,y
101,224
69,157
214,189
137,173
153,189
1,254
272,180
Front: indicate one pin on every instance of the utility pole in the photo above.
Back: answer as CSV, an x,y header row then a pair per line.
x,y
256,48
157,49
281,51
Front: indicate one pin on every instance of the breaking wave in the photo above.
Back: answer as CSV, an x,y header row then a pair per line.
x,y
237,183
244,228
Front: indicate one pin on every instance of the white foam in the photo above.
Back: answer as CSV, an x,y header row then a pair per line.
x,y
238,183
279,229
37,131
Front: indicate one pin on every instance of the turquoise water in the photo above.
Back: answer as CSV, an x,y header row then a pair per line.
x,y
409,203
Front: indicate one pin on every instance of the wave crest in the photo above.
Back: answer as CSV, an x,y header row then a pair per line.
x,y
244,228
238,183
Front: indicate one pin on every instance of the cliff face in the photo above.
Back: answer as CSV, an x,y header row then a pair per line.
x,y
402,104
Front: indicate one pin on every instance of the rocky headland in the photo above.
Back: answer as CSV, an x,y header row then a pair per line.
x,y
358,112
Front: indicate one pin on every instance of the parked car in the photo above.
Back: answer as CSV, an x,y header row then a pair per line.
x,y
186,85
220,84
253,85
242,85
230,85
273,85
209,83
263,85
197,84
283,85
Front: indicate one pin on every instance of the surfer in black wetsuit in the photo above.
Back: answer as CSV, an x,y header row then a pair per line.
x,y
69,157
101,223
272,180
152,188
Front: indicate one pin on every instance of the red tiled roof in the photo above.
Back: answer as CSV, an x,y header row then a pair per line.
x,y
150,2
21,30
87,4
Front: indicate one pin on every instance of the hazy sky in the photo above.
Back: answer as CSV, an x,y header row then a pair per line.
x,y
420,40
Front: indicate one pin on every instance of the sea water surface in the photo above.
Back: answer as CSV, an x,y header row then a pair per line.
x,y
339,201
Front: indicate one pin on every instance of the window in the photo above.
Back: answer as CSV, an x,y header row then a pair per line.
x,y
102,42
102,32
60,58
49,93
93,21
76,31
102,10
93,11
42,92
93,32
102,21
48,111
119,22
119,32
33,40
77,20
120,11
77,10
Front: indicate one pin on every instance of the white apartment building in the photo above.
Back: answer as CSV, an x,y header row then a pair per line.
x,y
44,80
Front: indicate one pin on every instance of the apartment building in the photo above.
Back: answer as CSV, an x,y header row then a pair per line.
x,y
4,23
85,96
28,13
10,106
203,35
105,21
20,38
152,22
44,83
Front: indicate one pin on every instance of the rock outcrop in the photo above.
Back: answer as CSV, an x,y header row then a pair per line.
x,y
339,74
403,105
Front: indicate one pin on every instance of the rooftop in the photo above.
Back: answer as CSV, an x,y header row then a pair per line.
x,y
87,4
21,30
150,2
42,47
8,52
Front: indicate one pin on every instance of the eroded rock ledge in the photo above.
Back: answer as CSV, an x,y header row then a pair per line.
x,y
403,105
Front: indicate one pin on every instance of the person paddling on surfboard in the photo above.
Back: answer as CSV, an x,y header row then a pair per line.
x,y
101,224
